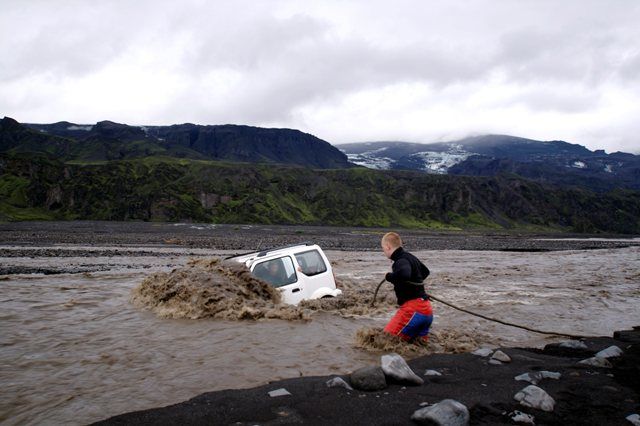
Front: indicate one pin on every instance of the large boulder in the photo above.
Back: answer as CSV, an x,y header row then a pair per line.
x,y
573,344
338,382
596,362
522,418
396,368
501,356
447,412
534,397
610,352
369,379
483,352
279,392
536,376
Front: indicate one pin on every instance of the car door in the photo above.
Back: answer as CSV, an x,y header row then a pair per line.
x,y
314,272
281,273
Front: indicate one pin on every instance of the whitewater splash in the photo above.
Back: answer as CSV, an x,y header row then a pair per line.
x,y
440,341
355,300
210,288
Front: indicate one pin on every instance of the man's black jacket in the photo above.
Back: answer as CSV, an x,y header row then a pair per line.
x,y
406,267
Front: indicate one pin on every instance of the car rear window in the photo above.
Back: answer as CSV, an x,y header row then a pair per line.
x,y
277,272
311,262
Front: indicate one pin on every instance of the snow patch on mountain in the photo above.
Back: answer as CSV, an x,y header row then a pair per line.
x,y
440,162
85,128
437,162
370,161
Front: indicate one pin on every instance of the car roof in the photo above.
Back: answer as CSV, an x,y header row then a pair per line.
x,y
273,252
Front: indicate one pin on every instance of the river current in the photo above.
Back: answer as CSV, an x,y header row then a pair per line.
x,y
73,349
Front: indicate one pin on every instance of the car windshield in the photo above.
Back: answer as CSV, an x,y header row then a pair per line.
x,y
277,272
311,263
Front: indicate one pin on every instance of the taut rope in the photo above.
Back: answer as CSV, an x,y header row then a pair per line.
x,y
510,324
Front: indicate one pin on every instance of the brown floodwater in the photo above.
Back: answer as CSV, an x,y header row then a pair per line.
x,y
75,349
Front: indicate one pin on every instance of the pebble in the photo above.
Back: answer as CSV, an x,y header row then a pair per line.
x,y
501,356
432,373
596,362
395,367
483,352
338,382
520,417
573,344
634,419
494,362
446,412
279,392
368,379
610,352
535,377
534,397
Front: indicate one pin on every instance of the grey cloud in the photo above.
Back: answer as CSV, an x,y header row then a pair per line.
x,y
284,56
69,39
558,99
545,56
259,42
290,66
589,52
630,67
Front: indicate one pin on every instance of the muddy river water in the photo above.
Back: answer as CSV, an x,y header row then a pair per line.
x,y
73,349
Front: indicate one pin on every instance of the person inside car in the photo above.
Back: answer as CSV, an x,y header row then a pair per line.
x,y
272,272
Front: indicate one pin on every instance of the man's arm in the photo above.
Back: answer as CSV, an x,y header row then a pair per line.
x,y
401,272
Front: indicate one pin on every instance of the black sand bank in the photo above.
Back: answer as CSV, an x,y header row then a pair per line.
x,y
584,394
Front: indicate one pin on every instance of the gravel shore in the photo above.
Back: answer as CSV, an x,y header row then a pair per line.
x,y
251,237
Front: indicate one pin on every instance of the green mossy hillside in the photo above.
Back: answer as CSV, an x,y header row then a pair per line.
x,y
170,189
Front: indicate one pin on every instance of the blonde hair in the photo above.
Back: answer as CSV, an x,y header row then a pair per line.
x,y
392,239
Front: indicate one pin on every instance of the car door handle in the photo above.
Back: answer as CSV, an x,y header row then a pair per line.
x,y
295,290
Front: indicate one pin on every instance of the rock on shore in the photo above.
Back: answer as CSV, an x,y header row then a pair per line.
x,y
582,394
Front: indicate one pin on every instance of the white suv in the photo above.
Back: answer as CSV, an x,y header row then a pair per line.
x,y
300,272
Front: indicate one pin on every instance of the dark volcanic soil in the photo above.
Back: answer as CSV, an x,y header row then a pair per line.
x,y
251,237
584,395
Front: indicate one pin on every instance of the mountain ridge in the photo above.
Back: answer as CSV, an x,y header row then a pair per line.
x,y
108,140
557,162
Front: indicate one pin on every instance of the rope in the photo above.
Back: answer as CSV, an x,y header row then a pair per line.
x,y
376,293
510,324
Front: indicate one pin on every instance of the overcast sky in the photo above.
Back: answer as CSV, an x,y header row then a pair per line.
x,y
345,71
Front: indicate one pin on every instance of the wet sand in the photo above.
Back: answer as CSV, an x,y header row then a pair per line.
x,y
77,350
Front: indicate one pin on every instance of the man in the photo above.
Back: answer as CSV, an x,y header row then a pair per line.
x,y
415,315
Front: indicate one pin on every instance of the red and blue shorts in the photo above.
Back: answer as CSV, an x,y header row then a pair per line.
x,y
412,320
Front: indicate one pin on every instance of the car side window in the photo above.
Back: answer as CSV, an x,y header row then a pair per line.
x,y
311,263
277,272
